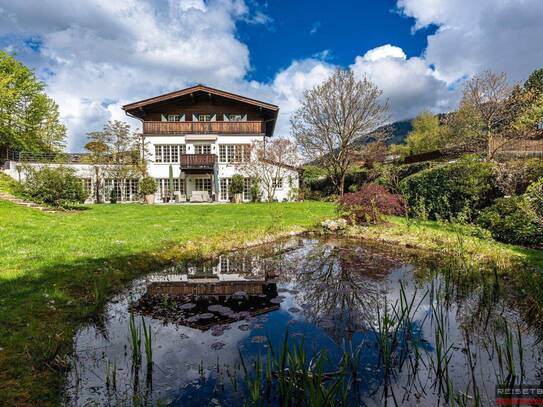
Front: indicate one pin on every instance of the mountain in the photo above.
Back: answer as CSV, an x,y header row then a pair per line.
x,y
398,132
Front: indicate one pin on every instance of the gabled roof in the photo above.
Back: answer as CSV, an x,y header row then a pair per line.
x,y
199,88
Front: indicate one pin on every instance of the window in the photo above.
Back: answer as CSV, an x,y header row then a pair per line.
x,y
163,186
224,186
203,184
277,183
235,117
234,153
247,189
168,153
175,118
202,149
87,186
204,117
126,190
540,125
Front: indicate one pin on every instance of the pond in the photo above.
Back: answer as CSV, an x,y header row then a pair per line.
x,y
309,320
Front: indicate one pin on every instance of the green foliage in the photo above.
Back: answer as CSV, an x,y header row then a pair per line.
x,y
148,186
256,191
313,173
530,117
511,220
534,196
390,175
113,196
57,187
170,181
427,135
535,81
451,191
236,184
29,119
515,176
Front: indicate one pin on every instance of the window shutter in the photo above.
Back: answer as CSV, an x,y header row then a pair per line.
x,y
244,118
195,117
214,118
225,118
163,118
182,118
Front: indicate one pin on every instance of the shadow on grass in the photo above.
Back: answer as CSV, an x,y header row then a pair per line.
x,y
41,313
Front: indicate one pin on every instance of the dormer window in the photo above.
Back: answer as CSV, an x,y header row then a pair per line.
x,y
235,117
176,118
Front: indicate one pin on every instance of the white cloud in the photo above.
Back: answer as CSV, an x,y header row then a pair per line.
x,y
408,83
97,55
104,53
502,35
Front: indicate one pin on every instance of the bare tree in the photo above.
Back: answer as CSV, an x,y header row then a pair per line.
x,y
271,162
483,111
332,116
117,153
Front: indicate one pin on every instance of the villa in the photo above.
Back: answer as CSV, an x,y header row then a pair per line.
x,y
203,134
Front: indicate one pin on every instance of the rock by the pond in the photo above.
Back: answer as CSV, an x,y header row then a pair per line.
x,y
244,327
188,305
259,339
294,310
217,345
333,225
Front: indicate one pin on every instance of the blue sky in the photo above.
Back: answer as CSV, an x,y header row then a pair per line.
x,y
97,55
342,30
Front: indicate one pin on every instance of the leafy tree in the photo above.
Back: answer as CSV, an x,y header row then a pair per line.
x,y
29,119
535,81
427,135
332,116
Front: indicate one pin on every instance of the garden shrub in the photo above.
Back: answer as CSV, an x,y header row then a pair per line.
x,y
56,186
390,175
515,176
148,186
451,191
370,204
534,196
511,220
236,184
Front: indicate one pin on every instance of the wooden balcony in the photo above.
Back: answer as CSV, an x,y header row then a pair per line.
x,y
197,162
159,127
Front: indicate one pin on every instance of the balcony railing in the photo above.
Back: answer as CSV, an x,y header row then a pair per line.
x,y
197,161
158,127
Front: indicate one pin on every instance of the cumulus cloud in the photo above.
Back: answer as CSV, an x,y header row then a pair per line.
x,y
409,84
502,35
97,55
100,55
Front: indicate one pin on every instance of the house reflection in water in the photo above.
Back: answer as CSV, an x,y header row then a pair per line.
x,y
227,289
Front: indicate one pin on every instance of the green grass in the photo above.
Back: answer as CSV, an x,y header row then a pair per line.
x,y
59,268
452,239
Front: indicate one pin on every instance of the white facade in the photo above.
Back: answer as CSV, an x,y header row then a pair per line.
x,y
216,181
222,146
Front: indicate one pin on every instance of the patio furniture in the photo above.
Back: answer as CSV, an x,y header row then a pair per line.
x,y
200,196
179,197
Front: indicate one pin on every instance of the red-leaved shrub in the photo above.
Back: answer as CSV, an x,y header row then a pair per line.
x,y
370,204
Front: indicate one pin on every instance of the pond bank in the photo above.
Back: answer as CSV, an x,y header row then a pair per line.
x,y
59,269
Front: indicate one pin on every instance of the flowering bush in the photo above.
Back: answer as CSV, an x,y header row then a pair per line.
x,y
370,204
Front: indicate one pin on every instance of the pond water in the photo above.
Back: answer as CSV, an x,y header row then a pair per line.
x,y
378,327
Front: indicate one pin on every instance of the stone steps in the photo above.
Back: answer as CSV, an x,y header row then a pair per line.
x,y
21,202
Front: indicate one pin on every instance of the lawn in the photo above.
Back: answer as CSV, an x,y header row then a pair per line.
x,y
58,269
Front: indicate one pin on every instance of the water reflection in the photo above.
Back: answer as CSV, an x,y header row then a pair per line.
x,y
331,292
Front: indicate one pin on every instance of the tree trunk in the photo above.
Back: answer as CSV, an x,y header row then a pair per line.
x,y
341,185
